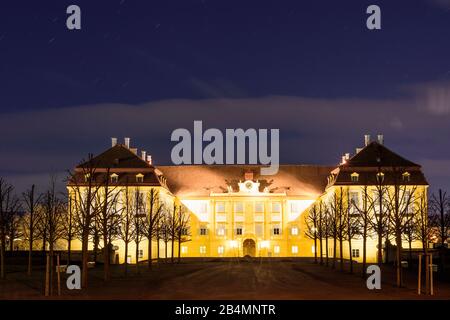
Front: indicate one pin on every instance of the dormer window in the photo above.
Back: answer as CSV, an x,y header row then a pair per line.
x,y
140,178
114,178
406,176
380,177
87,177
355,177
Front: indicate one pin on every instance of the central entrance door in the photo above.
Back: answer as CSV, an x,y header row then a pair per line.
x,y
249,247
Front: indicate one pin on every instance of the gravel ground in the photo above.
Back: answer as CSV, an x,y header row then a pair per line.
x,y
223,280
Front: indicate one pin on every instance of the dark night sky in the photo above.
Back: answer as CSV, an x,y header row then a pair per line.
x,y
144,68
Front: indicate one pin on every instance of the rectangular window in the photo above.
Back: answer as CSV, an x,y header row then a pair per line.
x,y
276,249
203,231
220,250
295,207
294,231
220,230
276,231
239,231
294,249
202,249
184,250
114,178
220,207
141,253
259,206
276,207
238,207
139,179
355,253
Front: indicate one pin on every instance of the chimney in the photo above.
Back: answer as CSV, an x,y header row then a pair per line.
x,y
144,155
113,142
127,142
358,150
366,139
343,160
248,175
149,159
380,139
134,150
347,156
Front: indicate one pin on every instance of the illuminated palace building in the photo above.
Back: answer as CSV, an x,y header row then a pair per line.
x,y
234,212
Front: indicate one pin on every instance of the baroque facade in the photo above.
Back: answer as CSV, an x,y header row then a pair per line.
x,y
235,212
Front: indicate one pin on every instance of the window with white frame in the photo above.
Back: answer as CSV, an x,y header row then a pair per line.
x,y
220,230
276,230
259,206
239,230
203,231
220,249
276,207
294,230
294,249
220,207
276,249
141,253
355,177
202,249
114,178
238,207
355,253
139,178
184,249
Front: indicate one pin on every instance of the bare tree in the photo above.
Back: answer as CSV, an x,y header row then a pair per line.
x,y
440,215
440,208
154,212
53,217
379,218
183,230
31,201
126,221
83,190
69,233
364,209
8,206
164,230
422,222
336,205
399,203
138,221
107,220
352,228
312,225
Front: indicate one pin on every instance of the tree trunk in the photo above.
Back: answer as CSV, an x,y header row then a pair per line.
x,y
126,258
2,254
85,258
364,263
341,254
315,249
326,251
350,253
106,257
150,253
173,251
398,241
321,250
137,257
179,248
334,252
